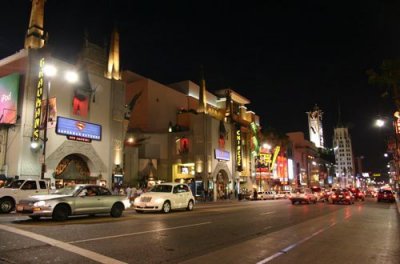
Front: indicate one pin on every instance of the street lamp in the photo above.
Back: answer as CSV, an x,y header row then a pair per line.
x,y
392,145
50,71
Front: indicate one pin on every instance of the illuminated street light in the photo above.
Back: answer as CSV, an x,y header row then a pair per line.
x,y
50,71
379,122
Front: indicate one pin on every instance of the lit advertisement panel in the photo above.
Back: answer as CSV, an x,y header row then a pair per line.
x,y
222,154
290,169
77,128
9,86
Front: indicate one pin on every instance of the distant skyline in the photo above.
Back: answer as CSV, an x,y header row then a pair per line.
x,y
284,56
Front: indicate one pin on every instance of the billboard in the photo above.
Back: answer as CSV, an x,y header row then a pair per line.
x,y
78,129
9,87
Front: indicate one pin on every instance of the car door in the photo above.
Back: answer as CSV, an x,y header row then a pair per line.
x,y
186,195
106,198
86,204
28,188
180,195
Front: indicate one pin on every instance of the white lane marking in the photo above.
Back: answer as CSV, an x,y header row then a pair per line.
x,y
285,250
267,213
64,246
138,233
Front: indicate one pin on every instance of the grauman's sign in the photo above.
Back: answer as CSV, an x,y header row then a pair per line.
x,y
38,102
239,149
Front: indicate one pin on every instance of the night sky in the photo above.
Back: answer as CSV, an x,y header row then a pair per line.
x,y
284,56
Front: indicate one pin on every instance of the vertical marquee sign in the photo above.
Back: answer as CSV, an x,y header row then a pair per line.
x,y
38,102
239,149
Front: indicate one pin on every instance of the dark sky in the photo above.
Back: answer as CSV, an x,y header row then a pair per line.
x,y
284,56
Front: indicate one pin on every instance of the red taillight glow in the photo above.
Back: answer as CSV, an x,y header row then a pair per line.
x,y
347,197
333,196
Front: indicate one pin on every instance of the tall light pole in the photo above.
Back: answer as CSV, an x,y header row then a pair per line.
x,y
50,71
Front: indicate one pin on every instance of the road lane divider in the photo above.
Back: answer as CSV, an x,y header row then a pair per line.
x,y
138,233
290,247
267,213
63,245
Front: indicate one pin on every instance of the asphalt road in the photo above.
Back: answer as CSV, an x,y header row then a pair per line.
x,y
228,232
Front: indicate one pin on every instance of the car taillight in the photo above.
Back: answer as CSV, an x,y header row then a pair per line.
x,y
347,196
333,196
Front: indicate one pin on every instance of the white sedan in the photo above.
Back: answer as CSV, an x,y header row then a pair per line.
x,y
165,197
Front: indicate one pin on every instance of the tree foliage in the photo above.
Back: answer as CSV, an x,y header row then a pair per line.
x,y
388,78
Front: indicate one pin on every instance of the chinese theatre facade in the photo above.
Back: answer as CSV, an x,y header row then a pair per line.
x,y
67,132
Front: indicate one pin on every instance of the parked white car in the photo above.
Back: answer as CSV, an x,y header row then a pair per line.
x,y
16,190
270,195
165,197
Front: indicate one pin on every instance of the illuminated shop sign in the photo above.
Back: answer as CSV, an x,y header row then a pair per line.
x,y
9,86
239,149
222,154
38,102
276,152
78,129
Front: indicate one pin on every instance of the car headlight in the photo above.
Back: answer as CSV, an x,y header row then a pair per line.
x,y
40,203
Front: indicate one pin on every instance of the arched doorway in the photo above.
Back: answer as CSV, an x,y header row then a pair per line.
x,y
73,169
222,185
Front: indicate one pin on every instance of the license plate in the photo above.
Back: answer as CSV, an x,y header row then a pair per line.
x,y
20,208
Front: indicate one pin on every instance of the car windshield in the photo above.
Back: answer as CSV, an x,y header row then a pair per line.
x,y
162,188
67,190
14,184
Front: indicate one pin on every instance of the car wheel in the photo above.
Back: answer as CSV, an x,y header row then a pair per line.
x,y
166,208
6,205
60,213
293,202
116,210
190,205
35,217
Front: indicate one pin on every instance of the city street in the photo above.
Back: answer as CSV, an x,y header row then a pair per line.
x,y
273,231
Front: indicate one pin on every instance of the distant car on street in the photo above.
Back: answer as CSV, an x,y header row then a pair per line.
x,y
80,199
342,196
269,195
358,194
165,197
282,194
302,195
386,196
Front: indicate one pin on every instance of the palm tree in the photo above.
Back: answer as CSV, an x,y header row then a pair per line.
x,y
389,78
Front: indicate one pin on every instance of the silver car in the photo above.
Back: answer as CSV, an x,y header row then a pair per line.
x,y
81,199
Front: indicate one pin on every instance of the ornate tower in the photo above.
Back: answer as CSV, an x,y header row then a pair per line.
x,y
35,38
315,127
113,71
202,95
